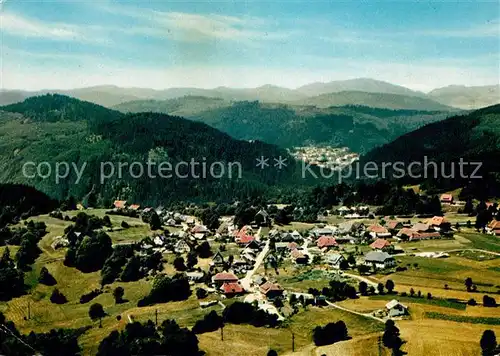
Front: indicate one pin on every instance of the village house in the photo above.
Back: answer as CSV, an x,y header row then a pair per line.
x,y
200,229
181,247
259,280
218,260
379,244
394,225
299,257
422,227
224,277
413,235
379,259
394,309
231,289
350,227
326,242
377,230
262,218
120,204
323,231
494,227
134,207
446,199
334,260
271,290
195,276
248,255
439,222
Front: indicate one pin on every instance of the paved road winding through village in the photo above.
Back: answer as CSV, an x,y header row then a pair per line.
x,y
246,282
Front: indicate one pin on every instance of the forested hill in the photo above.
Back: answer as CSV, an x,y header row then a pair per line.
x,y
474,137
20,201
55,107
358,127
56,128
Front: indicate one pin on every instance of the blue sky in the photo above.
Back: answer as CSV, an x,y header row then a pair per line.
x,y
161,44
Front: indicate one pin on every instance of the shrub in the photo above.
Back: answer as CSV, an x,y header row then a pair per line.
x,y
57,297
211,322
201,293
330,333
46,278
489,301
85,298
118,295
472,302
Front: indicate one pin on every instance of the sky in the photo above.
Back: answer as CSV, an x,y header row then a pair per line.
x,y
47,44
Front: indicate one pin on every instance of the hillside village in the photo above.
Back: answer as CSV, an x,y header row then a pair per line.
x,y
325,156
355,265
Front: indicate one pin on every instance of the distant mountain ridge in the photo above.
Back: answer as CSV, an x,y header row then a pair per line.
x,y
358,127
467,97
110,95
375,100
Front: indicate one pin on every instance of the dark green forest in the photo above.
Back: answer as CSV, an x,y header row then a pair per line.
x,y
358,127
55,128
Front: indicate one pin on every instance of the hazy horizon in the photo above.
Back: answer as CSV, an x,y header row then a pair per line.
x,y
232,87
60,45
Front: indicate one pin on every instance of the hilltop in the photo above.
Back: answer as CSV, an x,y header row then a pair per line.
x,y
374,99
473,137
467,97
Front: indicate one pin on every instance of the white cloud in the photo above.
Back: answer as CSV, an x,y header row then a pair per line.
x,y
490,29
21,26
191,27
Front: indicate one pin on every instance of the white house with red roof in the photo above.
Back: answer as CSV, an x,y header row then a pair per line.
x,y
230,289
379,244
326,242
446,199
224,277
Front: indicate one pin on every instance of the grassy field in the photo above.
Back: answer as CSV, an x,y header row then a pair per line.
x,y
248,340
427,273
463,319
483,241
459,325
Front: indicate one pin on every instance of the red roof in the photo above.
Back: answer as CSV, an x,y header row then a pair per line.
x,y
407,231
297,254
392,224
134,206
425,235
436,220
326,241
268,286
232,288
245,239
225,276
120,204
378,229
199,229
380,244
494,225
448,198
292,245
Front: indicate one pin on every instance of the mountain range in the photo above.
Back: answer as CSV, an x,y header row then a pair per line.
x,y
55,129
458,97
